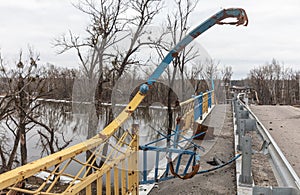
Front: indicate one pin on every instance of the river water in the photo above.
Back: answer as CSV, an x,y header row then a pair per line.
x,y
72,126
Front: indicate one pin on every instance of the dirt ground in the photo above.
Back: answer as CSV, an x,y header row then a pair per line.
x,y
283,124
221,181
261,168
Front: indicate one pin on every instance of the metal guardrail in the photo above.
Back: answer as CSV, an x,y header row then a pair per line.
x,y
288,176
288,179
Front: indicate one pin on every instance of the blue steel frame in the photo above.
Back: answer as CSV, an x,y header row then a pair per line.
x,y
209,100
193,158
237,13
242,19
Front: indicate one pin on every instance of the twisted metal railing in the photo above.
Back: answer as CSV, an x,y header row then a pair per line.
x,y
179,138
121,160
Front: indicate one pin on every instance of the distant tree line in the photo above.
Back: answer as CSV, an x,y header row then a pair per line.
x,y
275,84
55,82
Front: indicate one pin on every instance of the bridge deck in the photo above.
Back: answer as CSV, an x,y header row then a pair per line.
x,y
283,124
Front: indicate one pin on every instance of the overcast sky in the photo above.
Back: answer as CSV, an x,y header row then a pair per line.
x,y
273,31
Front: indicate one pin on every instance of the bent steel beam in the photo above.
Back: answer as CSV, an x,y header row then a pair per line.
x,y
237,13
19,174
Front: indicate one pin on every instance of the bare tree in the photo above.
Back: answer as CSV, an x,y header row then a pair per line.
x,y
274,83
6,100
23,86
177,27
227,74
210,71
105,58
194,76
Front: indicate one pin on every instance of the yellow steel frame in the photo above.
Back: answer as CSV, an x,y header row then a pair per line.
x,y
121,162
10,181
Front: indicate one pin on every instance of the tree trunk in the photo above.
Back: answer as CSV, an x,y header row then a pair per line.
x,y
182,86
170,114
22,120
98,95
14,151
170,117
23,144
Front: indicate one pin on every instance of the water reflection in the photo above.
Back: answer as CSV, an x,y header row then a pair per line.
x,y
73,128
70,129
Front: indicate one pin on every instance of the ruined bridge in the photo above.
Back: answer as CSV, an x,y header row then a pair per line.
x,y
119,173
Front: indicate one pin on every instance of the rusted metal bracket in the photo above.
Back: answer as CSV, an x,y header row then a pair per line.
x,y
242,18
189,175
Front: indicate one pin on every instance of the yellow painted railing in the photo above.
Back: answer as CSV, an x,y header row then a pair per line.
x,y
205,102
116,172
120,160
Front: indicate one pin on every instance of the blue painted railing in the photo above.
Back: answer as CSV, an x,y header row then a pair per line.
x,y
202,103
199,105
192,156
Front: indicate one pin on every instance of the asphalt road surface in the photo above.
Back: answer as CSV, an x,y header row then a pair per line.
x,y
283,123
